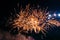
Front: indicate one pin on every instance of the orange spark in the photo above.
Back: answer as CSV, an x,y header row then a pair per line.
x,y
32,20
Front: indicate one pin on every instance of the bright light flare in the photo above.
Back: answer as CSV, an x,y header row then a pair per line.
x,y
59,15
54,15
49,15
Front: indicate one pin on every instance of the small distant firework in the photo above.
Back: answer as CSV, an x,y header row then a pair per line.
x,y
34,19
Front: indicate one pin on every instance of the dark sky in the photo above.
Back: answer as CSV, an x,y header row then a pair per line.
x,y
52,4
11,3
6,6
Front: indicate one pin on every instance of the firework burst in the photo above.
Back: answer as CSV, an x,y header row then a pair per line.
x,y
32,19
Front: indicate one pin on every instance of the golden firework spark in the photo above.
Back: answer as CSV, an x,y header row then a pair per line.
x,y
32,20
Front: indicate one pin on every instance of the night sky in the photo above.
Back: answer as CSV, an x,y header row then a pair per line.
x,y
6,6
53,5
10,4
